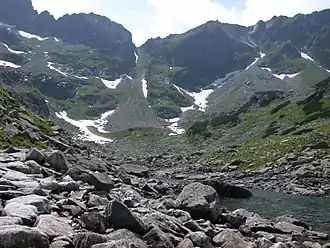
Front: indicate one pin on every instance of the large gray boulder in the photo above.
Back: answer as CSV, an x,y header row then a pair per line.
x,y
120,217
53,226
58,162
201,201
10,221
227,190
94,222
100,181
14,236
231,239
156,238
27,213
88,239
199,239
41,203
136,170
36,155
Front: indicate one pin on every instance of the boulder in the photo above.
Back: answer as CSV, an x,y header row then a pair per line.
x,y
100,181
156,238
130,243
121,234
228,190
94,222
88,239
231,239
119,216
186,243
9,221
53,226
41,203
199,239
36,155
14,236
58,162
201,201
27,213
288,228
136,170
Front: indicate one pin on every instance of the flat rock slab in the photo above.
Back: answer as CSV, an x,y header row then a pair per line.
x,y
41,203
53,226
136,170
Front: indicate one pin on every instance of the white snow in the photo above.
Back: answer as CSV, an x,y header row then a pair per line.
x,y
256,60
184,109
145,87
200,97
50,66
306,56
282,76
83,125
56,39
11,50
327,70
46,101
136,57
266,69
253,63
175,126
111,84
8,64
31,36
79,77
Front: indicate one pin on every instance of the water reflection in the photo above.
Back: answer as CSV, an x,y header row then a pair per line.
x,y
312,210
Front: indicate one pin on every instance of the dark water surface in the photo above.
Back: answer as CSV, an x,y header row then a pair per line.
x,y
312,210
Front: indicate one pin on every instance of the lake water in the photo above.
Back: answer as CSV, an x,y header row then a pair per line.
x,y
312,210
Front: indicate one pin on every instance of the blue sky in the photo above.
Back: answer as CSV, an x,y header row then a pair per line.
x,y
153,18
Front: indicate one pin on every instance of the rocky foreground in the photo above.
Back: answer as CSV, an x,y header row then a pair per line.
x,y
55,199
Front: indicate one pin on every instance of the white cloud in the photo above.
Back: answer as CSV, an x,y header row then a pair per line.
x,y
61,7
256,10
173,16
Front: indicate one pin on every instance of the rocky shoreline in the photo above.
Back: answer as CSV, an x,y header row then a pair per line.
x,y
55,199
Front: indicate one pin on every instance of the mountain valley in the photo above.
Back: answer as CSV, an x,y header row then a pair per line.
x,y
93,127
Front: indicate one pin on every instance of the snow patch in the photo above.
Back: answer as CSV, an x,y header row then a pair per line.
x,y
145,87
283,76
80,77
185,109
306,56
256,60
50,66
46,101
8,64
175,127
111,84
200,97
31,36
83,125
136,57
56,39
12,50
266,69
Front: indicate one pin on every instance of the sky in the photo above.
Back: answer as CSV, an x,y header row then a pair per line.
x,y
153,18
